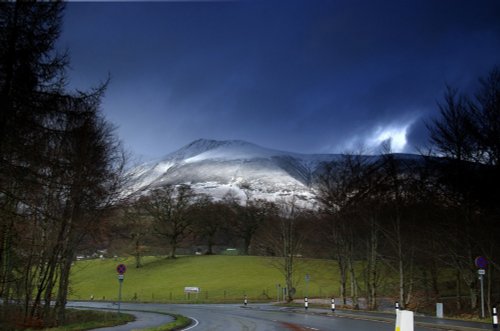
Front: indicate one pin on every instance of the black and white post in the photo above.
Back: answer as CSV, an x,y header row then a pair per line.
x,y
494,318
245,301
306,303
396,306
333,304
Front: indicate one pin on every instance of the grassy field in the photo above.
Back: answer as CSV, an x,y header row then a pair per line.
x,y
220,278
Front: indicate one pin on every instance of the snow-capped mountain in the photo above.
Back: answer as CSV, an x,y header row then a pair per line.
x,y
233,167
218,168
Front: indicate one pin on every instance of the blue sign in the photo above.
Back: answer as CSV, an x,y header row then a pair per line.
x,y
481,262
121,268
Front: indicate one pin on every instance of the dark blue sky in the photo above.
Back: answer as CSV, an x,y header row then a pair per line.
x,y
307,76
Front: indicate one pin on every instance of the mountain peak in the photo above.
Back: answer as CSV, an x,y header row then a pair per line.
x,y
212,143
221,149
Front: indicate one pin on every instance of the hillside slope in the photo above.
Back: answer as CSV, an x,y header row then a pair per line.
x,y
219,278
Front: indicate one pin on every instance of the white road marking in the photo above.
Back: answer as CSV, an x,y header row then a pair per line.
x,y
192,326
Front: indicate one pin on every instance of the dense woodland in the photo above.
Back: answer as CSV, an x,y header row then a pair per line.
x,y
426,217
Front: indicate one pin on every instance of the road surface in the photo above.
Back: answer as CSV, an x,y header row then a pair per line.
x,y
264,318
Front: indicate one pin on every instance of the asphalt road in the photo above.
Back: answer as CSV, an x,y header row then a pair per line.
x,y
256,318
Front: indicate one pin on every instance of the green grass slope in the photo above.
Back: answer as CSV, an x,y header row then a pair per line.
x,y
220,278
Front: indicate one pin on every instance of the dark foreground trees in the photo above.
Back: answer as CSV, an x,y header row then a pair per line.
x,y
349,226
467,135
59,167
417,215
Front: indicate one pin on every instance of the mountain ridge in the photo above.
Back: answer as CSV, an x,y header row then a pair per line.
x,y
243,169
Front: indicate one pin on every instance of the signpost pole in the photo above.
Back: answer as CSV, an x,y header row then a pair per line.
x,y
120,269
120,281
481,277
481,262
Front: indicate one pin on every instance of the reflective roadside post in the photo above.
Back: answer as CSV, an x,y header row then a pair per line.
x,y
494,318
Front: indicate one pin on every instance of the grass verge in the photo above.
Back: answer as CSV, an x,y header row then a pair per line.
x,y
91,319
179,323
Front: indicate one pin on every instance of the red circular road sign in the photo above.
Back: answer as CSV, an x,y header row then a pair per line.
x,y
481,262
121,268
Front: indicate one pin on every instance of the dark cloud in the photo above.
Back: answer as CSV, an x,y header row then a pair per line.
x,y
308,76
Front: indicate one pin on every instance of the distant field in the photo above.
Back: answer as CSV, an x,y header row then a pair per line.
x,y
220,278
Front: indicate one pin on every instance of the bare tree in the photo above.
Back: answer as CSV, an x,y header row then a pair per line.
x,y
485,117
92,166
283,237
250,214
467,133
342,190
133,224
211,220
397,225
450,134
170,206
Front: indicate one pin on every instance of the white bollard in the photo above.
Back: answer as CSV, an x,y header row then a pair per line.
x,y
404,320
245,301
439,310
396,306
306,304
333,304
